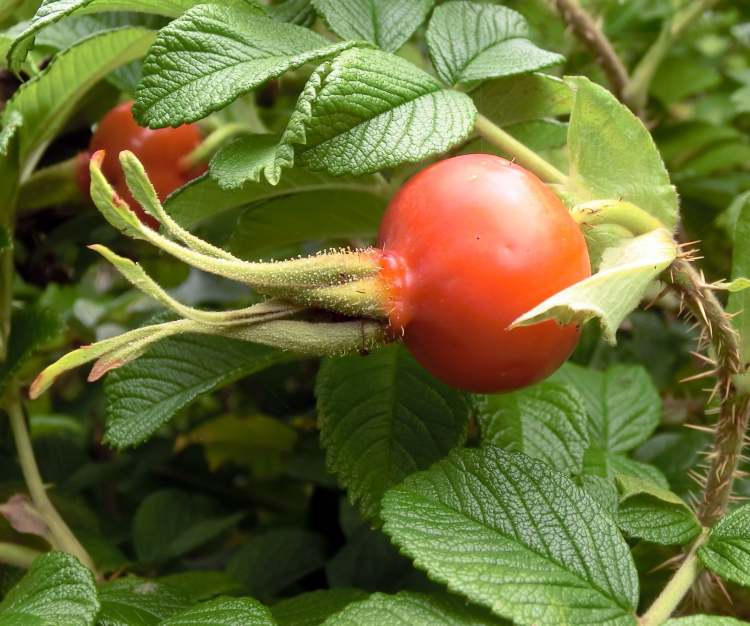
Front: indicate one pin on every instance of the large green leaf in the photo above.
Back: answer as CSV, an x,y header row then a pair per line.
x,y
613,156
46,101
56,590
654,514
143,395
386,23
401,421
469,41
203,198
395,114
223,612
314,607
212,54
509,533
546,422
273,560
622,403
134,601
625,272
739,301
727,551
413,609
170,523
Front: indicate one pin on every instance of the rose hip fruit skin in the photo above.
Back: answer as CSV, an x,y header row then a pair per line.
x,y
469,244
161,152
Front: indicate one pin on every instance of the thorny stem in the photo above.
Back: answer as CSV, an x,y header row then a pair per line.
x,y
676,589
635,93
590,33
61,536
733,415
518,151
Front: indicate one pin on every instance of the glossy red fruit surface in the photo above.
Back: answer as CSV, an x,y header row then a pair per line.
x,y
469,244
161,152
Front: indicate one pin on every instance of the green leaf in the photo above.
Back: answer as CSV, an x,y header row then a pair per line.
x,y
609,465
615,290
52,11
31,328
739,301
386,23
469,41
727,551
223,612
299,12
170,523
272,561
397,114
654,514
134,601
546,422
375,435
56,590
201,584
11,125
509,533
312,608
145,394
188,72
623,405
265,229
413,609
48,99
612,155
515,99
203,198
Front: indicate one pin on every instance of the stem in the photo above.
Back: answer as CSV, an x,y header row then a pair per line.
x,y
589,32
620,212
62,537
212,143
635,93
733,415
680,583
17,556
521,153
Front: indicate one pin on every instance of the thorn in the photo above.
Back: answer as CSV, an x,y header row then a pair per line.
x,y
703,429
699,376
703,357
668,563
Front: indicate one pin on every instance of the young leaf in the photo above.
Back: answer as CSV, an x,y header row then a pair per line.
x,y
144,395
612,155
170,523
312,608
188,74
739,301
203,198
272,561
47,100
727,551
469,41
622,404
654,514
223,612
509,533
546,422
614,291
386,23
523,98
402,421
56,590
132,600
413,609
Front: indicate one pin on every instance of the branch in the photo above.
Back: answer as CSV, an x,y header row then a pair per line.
x,y
733,415
589,32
